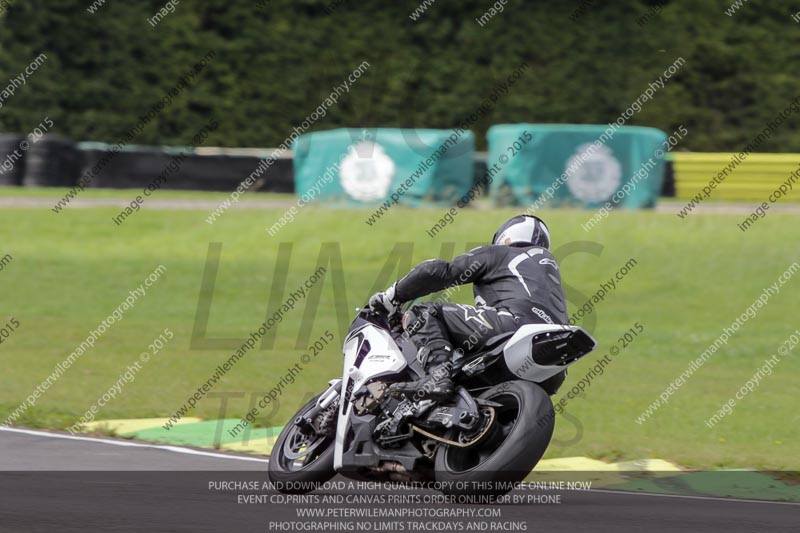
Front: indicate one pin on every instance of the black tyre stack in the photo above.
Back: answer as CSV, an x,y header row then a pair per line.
x,y
53,161
11,176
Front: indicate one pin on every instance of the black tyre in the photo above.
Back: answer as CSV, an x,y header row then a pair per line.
x,y
519,436
300,463
12,160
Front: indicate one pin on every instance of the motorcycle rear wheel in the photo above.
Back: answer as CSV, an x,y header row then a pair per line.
x,y
520,435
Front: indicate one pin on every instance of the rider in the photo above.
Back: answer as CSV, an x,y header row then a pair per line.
x,y
516,281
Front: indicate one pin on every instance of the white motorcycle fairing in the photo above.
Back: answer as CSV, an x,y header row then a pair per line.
x,y
369,352
520,349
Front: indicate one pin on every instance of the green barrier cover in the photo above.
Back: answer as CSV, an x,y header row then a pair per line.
x,y
372,166
576,165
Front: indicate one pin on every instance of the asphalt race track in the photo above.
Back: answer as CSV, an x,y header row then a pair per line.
x,y
55,482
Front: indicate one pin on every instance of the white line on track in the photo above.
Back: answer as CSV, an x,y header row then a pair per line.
x,y
189,451
714,498
176,449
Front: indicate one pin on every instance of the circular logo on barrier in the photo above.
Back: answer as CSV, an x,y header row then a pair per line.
x,y
366,171
597,177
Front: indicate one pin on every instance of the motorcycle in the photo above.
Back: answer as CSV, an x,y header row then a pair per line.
x,y
489,435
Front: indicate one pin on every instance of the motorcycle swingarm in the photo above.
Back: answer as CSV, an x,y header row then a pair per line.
x,y
465,414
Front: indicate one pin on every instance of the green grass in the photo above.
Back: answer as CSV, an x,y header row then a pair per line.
x,y
693,277
126,194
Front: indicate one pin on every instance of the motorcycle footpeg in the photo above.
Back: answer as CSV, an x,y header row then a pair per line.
x,y
487,403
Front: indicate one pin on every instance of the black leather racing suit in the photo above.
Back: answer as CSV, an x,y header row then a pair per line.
x,y
512,285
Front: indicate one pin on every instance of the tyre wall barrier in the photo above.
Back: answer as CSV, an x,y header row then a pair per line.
x,y
751,178
12,160
404,166
52,161
576,165
202,169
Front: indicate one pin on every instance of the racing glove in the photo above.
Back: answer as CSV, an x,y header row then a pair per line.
x,y
385,301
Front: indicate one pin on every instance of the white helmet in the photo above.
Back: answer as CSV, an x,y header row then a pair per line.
x,y
525,230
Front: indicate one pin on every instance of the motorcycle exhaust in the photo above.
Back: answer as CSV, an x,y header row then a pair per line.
x,y
397,472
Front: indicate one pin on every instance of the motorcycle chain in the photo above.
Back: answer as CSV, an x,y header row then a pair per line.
x,y
456,443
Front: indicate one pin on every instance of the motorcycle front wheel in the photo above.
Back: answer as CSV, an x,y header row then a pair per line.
x,y
517,440
301,462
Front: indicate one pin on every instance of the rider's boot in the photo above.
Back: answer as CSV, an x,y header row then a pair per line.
x,y
437,384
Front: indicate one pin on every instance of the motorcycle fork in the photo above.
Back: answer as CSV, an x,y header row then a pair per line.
x,y
304,422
